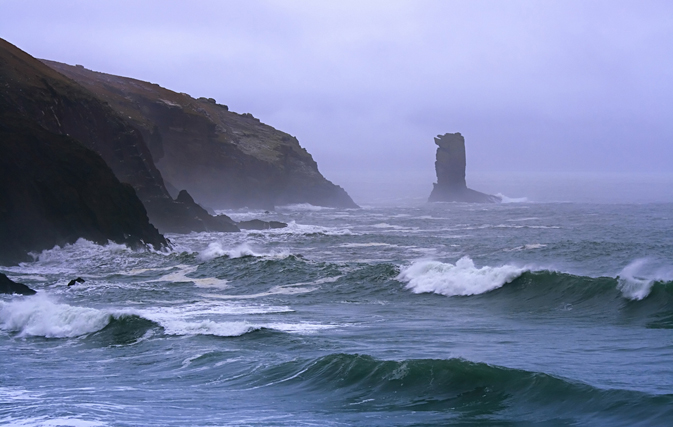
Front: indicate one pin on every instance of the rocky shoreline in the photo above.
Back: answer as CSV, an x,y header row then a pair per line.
x,y
73,165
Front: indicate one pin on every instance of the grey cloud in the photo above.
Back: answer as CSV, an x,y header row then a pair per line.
x,y
553,85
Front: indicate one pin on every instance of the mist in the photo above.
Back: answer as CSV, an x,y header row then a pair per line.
x,y
557,100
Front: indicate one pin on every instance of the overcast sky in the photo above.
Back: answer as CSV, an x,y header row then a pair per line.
x,y
577,86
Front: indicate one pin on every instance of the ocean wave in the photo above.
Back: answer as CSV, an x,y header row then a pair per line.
x,y
457,386
463,278
51,421
543,286
39,316
505,199
181,276
303,207
636,279
306,229
216,250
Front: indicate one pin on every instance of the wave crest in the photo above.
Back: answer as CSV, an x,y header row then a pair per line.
x,y
463,278
38,316
216,250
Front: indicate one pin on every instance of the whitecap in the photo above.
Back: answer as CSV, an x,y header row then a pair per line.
x,y
463,278
216,250
299,207
631,282
526,247
39,316
366,245
505,199
51,421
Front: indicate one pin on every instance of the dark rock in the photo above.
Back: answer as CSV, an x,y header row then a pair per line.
x,y
53,191
257,224
223,159
78,280
450,168
7,286
202,220
37,92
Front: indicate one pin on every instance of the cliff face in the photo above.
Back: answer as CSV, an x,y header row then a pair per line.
x,y
53,191
60,105
222,158
450,167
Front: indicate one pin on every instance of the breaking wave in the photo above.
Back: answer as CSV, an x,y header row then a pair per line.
x,y
463,278
216,250
505,199
39,316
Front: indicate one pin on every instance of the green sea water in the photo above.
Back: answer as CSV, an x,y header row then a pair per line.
x,y
426,315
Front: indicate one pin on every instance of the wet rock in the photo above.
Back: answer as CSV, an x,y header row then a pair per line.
x,y
54,190
53,101
77,280
8,286
450,168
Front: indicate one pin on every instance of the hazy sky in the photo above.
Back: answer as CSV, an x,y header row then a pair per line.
x,y
366,85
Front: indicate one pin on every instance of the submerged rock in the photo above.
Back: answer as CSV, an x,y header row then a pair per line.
x,y
8,286
450,167
258,224
77,280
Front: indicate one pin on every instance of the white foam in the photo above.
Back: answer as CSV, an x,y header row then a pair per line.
x,y
386,225
634,287
366,245
216,250
505,199
39,316
181,276
463,278
206,327
299,207
526,247
50,421
306,229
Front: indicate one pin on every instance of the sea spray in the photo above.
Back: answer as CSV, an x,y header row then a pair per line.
x,y
463,278
216,250
635,283
40,316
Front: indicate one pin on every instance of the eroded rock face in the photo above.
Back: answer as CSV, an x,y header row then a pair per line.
x,y
450,167
224,159
53,191
40,94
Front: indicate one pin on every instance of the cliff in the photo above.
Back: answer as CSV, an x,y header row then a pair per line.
x,y
53,191
450,167
40,94
222,158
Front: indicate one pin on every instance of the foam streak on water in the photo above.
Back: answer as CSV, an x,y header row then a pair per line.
x,y
518,314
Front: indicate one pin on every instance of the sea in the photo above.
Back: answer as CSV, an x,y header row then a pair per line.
x,y
524,313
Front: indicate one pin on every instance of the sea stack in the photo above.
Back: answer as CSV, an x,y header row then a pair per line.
x,y
450,168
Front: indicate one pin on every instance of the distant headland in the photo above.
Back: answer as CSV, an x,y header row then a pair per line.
x,y
450,168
